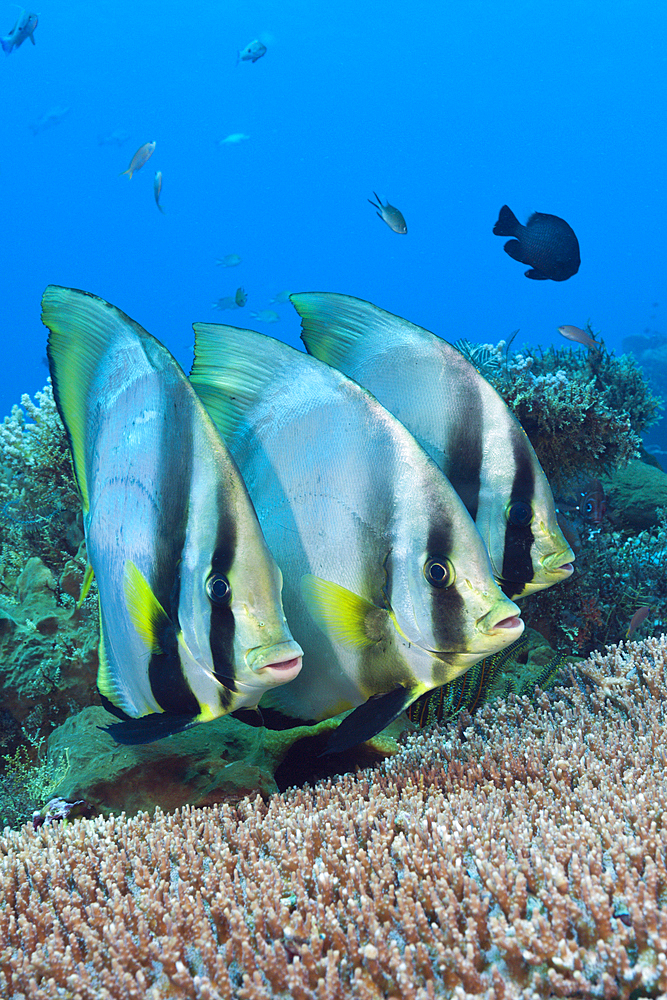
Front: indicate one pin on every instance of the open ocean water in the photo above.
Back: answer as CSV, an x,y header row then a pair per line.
x,y
447,110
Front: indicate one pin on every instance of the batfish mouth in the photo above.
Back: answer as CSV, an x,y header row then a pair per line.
x,y
512,622
282,670
559,564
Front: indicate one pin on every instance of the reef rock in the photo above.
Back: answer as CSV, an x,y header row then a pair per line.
x,y
219,761
635,493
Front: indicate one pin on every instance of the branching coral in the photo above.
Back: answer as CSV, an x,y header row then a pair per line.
x,y
522,857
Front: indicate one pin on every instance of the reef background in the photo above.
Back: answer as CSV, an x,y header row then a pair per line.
x,y
447,110
584,412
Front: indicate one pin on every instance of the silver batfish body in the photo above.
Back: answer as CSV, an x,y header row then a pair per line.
x,y
192,625
460,420
388,588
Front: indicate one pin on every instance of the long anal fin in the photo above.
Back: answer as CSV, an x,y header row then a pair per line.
x,y
371,718
148,728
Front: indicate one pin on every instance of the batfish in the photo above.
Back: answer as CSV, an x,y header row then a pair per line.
x,y
388,586
461,421
191,621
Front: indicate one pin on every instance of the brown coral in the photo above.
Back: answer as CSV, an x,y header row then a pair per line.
x,y
524,857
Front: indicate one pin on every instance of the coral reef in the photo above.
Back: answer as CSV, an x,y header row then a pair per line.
x,y
220,761
583,411
521,856
48,646
527,664
40,509
616,573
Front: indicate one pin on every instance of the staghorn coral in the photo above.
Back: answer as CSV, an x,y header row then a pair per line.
x,y
523,857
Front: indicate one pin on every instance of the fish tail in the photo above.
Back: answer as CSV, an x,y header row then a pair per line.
x,y
6,45
128,171
507,224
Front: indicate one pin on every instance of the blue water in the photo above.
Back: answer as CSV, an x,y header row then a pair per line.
x,y
447,110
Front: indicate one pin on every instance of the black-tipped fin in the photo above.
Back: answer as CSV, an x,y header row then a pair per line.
x,y
149,728
370,718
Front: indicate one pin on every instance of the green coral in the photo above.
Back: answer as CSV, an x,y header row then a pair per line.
x,y
27,782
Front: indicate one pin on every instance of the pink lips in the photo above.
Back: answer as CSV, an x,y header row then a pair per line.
x,y
285,669
512,622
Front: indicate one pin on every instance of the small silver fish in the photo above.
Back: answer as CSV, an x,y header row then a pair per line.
x,y
390,215
234,139
241,297
579,336
228,302
143,154
639,617
116,138
231,260
266,316
24,28
52,117
252,52
157,188
281,297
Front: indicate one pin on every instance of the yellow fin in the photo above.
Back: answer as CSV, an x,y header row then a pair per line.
x,y
85,586
343,616
105,683
147,614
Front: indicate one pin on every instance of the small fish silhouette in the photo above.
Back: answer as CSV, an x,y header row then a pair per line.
x,y
546,242
390,215
579,336
252,52
143,154
24,28
157,188
639,617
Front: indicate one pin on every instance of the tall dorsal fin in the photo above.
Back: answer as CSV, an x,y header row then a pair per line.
x,y
82,326
335,327
233,367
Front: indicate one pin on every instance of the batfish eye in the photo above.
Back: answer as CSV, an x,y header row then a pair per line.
x,y
218,589
439,572
520,513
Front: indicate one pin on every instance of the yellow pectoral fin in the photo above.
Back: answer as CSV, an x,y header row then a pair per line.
x,y
147,614
343,616
85,586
